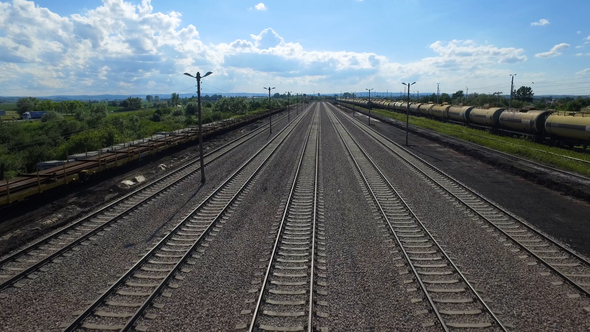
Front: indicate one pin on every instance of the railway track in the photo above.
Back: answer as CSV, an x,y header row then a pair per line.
x,y
513,230
24,262
133,294
286,295
454,301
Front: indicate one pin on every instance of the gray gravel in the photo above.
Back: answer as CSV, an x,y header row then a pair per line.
x,y
213,296
367,290
516,287
81,277
368,287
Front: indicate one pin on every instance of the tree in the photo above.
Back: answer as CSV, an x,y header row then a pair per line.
x,y
524,93
191,109
149,98
46,105
51,116
156,98
134,103
457,95
175,99
445,98
28,104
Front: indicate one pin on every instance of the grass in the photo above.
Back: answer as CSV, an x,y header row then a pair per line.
x,y
10,115
569,160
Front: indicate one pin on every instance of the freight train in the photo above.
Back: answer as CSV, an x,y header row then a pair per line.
x,y
82,167
559,128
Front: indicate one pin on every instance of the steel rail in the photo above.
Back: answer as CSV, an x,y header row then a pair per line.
x,y
277,241
288,130
120,201
519,220
419,222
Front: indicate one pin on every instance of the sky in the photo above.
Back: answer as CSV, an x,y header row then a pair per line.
x,y
93,47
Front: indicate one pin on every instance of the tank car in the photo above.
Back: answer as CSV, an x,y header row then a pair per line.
x,y
531,122
489,117
459,113
425,109
569,128
440,111
414,108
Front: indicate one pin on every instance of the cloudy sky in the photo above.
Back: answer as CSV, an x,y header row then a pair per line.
x,y
58,47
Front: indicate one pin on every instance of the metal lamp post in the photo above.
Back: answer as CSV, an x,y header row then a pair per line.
x,y
269,109
408,109
369,104
511,90
288,104
198,77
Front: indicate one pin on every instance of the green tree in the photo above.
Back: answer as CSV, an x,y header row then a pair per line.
x,y
46,105
524,93
133,103
175,99
52,116
191,109
457,95
27,104
445,98
149,98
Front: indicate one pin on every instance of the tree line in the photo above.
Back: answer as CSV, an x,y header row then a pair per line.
x,y
72,127
523,98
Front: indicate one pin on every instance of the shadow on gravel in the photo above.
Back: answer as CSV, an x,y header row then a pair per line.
x,y
157,230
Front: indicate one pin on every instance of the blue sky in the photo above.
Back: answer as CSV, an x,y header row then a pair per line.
x,y
55,47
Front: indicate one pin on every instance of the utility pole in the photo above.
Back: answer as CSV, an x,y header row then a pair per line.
x,y
408,110
288,104
437,91
369,104
511,91
269,109
198,78
466,93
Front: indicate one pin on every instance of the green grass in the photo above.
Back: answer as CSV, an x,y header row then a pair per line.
x,y
521,147
10,115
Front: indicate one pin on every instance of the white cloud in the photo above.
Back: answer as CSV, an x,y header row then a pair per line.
x,y
541,22
260,6
555,51
583,72
124,48
587,38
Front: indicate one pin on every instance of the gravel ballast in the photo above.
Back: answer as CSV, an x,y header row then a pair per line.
x,y
368,286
